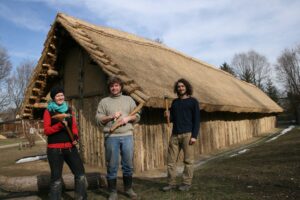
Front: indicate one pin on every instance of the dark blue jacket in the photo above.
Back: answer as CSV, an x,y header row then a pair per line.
x,y
185,115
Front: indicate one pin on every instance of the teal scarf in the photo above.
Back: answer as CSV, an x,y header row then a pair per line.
x,y
53,107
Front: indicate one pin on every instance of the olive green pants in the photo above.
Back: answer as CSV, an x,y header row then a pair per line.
x,y
177,143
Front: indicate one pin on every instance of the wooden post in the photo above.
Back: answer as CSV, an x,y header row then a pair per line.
x,y
167,110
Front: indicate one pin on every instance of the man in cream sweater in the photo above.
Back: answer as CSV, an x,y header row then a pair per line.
x,y
117,107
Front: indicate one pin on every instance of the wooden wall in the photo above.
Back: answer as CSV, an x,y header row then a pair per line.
x,y
151,135
83,78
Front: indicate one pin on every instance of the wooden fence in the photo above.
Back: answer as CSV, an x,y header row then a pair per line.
x,y
151,135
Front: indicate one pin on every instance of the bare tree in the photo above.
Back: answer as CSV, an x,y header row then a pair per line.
x,y
251,67
158,40
5,68
16,84
288,70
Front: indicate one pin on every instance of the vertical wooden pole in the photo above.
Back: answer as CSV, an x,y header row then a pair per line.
x,y
167,110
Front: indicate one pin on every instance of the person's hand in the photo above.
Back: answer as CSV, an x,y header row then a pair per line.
x,y
192,141
167,113
65,122
125,120
61,116
116,115
75,142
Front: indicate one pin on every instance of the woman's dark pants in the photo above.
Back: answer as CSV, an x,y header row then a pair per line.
x,y
56,158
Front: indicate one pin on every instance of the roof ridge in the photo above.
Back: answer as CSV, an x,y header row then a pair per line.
x,y
95,28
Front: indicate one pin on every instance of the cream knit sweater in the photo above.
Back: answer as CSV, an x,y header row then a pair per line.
x,y
112,104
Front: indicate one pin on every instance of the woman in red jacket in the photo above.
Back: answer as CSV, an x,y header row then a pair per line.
x,y
61,147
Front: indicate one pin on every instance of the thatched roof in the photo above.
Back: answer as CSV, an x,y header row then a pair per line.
x,y
149,70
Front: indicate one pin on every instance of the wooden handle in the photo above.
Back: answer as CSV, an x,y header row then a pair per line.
x,y
61,117
167,110
70,133
118,123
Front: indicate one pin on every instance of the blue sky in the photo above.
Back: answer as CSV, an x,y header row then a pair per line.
x,y
211,31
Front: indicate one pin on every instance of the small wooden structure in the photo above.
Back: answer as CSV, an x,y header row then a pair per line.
x,y
22,128
81,57
11,126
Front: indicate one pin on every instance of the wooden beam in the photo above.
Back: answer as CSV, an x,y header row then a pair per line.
x,y
26,110
26,184
103,60
137,98
44,99
42,75
142,95
113,69
81,32
27,115
52,72
40,82
36,89
33,97
40,105
84,37
51,55
47,65
99,53
52,46
88,44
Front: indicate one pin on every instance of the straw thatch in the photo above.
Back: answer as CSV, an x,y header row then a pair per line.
x,y
148,69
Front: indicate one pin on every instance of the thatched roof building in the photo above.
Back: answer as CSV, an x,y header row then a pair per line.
x,y
81,56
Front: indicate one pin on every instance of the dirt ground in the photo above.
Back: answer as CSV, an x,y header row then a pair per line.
x,y
9,156
265,171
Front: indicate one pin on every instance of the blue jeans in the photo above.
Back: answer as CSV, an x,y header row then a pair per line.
x,y
115,146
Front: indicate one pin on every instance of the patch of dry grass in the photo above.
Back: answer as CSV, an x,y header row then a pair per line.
x,y
267,171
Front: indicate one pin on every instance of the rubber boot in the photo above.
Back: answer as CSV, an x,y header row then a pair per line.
x,y
80,188
112,188
55,190
127,181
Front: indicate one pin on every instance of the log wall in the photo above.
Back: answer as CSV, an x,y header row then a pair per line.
x,y
151,135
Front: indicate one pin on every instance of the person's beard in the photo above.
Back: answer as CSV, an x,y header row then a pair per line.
x,y
181,94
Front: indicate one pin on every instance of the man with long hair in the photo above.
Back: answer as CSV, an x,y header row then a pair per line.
x,y
185,115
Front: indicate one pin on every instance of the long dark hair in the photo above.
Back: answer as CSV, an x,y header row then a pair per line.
x,y
189,88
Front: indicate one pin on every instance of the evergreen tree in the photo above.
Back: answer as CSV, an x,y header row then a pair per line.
x,y
271,91
225,67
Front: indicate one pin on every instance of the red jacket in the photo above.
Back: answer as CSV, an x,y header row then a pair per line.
x,y
49,130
